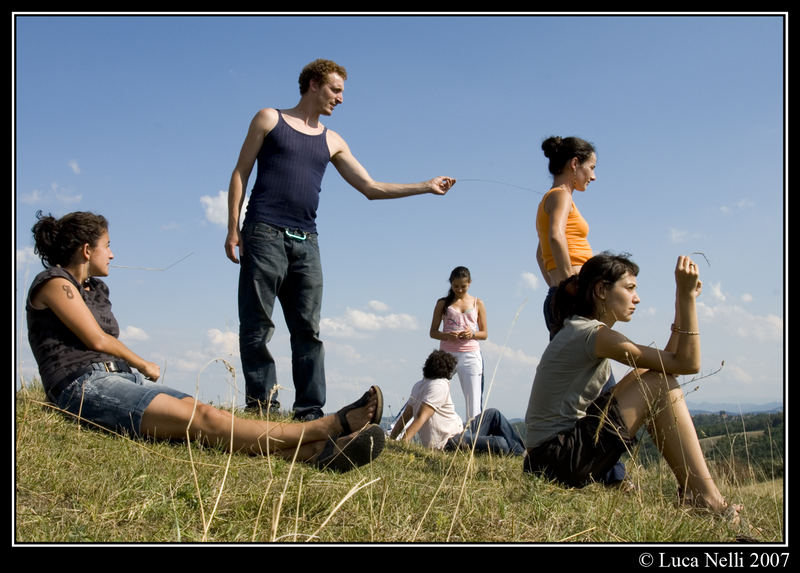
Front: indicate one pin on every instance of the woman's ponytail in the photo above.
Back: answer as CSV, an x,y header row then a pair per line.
x,y
565,301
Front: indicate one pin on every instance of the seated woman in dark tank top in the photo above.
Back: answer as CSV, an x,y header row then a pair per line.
x,y
89,373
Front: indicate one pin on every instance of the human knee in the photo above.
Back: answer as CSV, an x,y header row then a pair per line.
x,y
490,415
660,392
211,421
305,335
659,382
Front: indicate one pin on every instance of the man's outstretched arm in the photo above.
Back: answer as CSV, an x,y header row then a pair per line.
x,y
357,176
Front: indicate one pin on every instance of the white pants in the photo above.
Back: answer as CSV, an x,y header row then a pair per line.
x,y
470,375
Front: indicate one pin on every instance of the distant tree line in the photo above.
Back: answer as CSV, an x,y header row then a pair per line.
x,y
737,446
723,423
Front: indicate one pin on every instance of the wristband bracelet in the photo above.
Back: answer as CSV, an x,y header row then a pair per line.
x,y
681,331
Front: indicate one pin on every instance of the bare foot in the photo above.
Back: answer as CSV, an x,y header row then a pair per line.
x,y
722,509
366,410
731,514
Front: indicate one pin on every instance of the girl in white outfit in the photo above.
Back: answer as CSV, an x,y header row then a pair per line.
x,y
462,318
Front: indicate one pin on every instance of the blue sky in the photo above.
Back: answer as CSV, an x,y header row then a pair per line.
x,y
142,118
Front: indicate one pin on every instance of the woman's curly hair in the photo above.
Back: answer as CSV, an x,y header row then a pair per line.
x,y
57,240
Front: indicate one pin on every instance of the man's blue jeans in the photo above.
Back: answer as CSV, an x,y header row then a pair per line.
x,y
275,264
489,432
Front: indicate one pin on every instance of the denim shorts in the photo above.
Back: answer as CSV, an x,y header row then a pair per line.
x,y
585,452
112,400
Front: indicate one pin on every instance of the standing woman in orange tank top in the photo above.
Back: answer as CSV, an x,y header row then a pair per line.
x,y
562,230
563,243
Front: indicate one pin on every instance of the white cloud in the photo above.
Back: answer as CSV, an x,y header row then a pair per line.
x,y
191,361
716,291
356,323
740,205
218,345
679,235
133,333
343,351
493,350
337,328
769,327
34,196
737,373
378,306
63,195
76,169
370,321
26,255
736,320
222,343
56,193
216,208
746,297
530,280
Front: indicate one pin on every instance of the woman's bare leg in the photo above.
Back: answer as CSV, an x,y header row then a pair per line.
x,y
658,398
167,417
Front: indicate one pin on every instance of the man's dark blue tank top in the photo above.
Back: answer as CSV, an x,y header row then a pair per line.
x,y
289,178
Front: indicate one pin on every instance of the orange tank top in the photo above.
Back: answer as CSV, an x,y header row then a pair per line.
x,y
576,232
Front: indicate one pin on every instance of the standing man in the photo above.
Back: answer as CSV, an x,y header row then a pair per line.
x,y
277,243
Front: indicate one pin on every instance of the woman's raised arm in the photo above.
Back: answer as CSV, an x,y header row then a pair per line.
x,y
681,355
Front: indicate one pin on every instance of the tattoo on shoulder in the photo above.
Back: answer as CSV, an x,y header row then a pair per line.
x,y
68,291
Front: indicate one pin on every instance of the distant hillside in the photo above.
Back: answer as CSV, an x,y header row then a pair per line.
x,y
733,443
733,408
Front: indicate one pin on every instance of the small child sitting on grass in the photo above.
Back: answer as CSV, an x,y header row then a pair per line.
x,y
433,416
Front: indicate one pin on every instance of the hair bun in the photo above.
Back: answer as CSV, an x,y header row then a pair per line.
x,y
551,146
559,150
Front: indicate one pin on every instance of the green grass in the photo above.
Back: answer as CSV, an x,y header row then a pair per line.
x,y
76,485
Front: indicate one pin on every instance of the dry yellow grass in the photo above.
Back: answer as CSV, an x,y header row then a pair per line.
x,y
79,485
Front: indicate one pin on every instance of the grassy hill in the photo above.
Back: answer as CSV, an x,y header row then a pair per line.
x,y
76,485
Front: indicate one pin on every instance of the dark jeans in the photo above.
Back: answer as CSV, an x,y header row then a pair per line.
x,y
549,318
489,433
276,265
617,472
